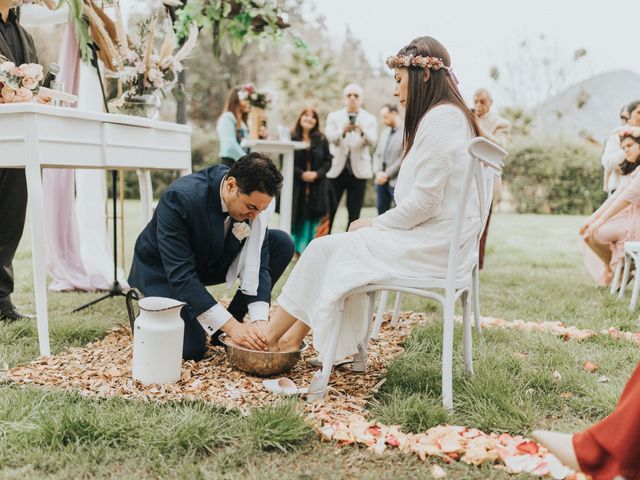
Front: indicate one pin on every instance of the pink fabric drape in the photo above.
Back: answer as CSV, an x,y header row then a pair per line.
x,y
64,262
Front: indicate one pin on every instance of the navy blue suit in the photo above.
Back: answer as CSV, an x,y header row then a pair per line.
x,y
184,248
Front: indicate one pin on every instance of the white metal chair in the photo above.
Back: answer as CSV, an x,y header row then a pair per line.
x,y
631,254
485,164
615,281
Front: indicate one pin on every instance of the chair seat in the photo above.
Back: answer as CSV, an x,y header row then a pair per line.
x,y
632,247
422,282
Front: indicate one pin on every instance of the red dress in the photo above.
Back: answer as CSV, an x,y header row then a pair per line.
x,y
612,446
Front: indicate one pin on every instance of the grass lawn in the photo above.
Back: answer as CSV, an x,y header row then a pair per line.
x,y
532,272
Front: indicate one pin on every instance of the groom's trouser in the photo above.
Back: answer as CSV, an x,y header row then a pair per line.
x,y
13,206
277,252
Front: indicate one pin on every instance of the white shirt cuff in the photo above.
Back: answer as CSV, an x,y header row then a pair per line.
x,y
258,311
214,319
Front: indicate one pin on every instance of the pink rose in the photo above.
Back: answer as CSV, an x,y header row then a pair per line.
x,y
23,95
29,82
8,93
16,72
32,70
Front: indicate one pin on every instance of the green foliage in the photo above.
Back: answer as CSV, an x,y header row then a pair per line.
x,y
554,177
310,79
234,22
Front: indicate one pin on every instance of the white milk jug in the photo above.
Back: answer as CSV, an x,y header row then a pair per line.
x,y
157,341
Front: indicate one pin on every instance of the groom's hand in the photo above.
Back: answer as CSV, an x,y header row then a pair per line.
x,y
246,335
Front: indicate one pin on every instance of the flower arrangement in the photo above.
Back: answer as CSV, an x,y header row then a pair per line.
x,y
257,98
142,71
19,83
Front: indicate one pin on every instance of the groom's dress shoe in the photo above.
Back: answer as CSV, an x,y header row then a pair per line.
x,y
10,313
560,445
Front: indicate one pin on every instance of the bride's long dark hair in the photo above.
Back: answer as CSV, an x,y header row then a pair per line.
x,y
423,95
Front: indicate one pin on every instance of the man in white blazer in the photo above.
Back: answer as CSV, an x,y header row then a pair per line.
x,y
351,132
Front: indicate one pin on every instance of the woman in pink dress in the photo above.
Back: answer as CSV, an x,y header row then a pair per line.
x,y
618,219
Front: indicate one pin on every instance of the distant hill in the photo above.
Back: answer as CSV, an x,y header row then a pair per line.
x,y
588,109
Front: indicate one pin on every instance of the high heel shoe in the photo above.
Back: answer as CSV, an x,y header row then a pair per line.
x,y
560,445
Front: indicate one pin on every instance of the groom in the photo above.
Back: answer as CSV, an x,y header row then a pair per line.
x,y
196,238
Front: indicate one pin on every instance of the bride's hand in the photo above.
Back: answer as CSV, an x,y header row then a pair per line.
x,y
360,223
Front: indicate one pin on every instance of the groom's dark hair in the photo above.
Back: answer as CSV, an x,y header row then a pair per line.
x,y
256,173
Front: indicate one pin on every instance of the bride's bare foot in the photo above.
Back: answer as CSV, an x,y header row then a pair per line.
x,y
288,345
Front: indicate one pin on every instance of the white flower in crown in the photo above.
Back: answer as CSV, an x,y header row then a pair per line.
x,y
241,230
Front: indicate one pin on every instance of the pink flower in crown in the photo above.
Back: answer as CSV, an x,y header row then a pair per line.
x,y
29,82
250,88
241,230
8,94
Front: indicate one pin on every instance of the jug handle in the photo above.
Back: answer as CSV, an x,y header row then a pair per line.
x,y
132,294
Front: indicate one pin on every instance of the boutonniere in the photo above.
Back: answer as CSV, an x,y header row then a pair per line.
x,y
241,230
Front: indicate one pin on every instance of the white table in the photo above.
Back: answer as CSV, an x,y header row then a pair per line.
x,y
285,149
33,136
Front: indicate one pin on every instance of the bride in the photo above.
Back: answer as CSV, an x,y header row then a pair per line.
x,y
411,239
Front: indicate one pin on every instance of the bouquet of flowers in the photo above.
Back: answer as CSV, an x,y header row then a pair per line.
x,y
19,84
257,98
143,71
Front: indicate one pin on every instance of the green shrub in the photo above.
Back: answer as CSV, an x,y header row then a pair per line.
x,y
554,176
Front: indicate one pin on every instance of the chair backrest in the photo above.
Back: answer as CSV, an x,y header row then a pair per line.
x,y
486,163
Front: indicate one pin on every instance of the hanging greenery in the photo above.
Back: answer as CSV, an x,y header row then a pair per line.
x,y
233,23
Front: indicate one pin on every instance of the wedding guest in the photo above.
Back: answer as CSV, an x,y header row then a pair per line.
x,y
496,129
16,45
232,126
618,219
387,157
209,228
412,239
493,126
310,196
351,132
613,156
607,450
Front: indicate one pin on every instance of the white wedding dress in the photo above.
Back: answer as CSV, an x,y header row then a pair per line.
x,y
409,240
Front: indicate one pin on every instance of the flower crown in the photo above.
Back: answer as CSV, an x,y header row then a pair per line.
x,y
431,63
246,91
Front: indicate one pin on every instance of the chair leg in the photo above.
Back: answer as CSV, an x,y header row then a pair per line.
x,y
636,289
318,386
616,279
625,275
447,353
476,300
360,359
382,305
396,309
466,333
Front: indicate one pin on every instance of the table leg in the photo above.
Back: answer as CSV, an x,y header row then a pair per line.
x,y
286,195
36,214
146,195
